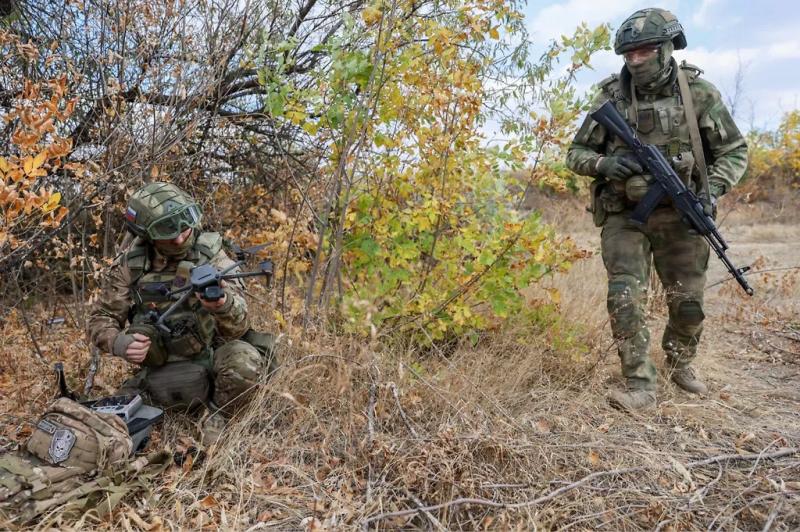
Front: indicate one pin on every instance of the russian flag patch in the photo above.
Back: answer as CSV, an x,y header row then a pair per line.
x,y
130,215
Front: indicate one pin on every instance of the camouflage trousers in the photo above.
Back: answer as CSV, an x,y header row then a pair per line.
x,y
680,259
227,376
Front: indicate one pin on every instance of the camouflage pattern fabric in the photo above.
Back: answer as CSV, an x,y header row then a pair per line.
x,y
238,367
110,312
660,120
74,436
30,487
124,296
680,258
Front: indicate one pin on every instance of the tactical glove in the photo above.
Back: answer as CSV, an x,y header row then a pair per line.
x,y
715,190
131,347
619,167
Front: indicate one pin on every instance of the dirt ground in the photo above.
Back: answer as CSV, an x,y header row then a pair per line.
x,y
750,350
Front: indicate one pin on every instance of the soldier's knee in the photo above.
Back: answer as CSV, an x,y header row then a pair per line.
x,y
179,385
624,300
237,369
688,314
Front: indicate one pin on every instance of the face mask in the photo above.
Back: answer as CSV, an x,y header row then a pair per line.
x,y
651,74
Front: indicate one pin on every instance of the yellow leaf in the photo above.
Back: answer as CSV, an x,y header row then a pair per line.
x,y
3,165
39,160
493,33
52,202
371,15
555,295
27,165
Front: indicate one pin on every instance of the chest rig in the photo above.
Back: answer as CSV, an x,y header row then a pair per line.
x,y
660,119
191,326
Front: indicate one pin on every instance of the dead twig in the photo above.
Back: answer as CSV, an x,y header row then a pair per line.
x,y
585,480
772,516
94,365
373,398
396,395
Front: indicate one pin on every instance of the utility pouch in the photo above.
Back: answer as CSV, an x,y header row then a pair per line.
x,y
267,345
595,205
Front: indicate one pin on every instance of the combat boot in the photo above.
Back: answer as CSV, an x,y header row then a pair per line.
x,y
632,400
686,379
213,426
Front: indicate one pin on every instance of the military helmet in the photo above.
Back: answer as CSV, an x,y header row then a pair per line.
x,y
161,211
649,26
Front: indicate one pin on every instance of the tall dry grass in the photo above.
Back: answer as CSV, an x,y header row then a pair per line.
x,y
352,433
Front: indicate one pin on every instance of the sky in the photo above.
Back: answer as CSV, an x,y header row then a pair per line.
x,y
760,38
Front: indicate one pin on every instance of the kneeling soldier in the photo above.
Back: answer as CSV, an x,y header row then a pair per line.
x,y
204,359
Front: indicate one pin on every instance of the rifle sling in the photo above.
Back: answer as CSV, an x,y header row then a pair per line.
x,y
694,130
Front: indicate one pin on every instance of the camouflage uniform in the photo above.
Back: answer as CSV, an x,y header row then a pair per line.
x,y
204,357
680,257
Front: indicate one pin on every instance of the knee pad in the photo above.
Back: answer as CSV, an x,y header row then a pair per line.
x,y
179,385
238,367
688,314
624,300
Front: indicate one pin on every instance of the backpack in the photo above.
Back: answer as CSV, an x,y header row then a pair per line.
x,y
75,460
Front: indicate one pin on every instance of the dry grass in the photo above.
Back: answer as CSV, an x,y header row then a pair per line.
x,y
350,432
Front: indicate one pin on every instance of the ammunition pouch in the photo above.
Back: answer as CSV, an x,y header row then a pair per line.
x,y
604,201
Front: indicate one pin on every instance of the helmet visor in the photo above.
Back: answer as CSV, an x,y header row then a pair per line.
x,y
171,225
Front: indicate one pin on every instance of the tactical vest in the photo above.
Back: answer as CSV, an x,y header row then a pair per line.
x,y
191,326
659,120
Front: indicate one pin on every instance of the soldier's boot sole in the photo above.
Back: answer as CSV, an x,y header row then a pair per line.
x,y
632,400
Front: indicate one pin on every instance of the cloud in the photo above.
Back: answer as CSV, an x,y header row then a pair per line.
x,y
558,19
724,62
700,17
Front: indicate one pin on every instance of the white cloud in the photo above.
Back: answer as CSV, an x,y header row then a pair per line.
x,y
562,18
723,63
700,17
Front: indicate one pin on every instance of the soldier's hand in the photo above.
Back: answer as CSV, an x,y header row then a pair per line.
x,y
619,167
131,347
212,306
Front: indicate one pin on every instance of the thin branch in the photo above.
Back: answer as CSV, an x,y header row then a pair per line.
x,y
577,484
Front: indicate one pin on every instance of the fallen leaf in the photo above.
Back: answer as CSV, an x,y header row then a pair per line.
x,y
208,502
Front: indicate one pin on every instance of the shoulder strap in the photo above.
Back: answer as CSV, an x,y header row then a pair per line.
x,y
137,259
694,129
208,244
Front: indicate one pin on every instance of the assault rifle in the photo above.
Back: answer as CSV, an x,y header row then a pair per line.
x,y
668,184
205,280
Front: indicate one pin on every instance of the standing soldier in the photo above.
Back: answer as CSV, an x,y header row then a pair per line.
x,y
210,357
671,107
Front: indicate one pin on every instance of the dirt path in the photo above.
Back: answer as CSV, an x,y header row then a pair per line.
x,y
750,351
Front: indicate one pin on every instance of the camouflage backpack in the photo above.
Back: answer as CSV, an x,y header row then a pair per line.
x,y
76,459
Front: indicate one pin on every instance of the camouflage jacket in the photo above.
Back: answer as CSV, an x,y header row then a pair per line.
x,y
660,120
121,298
